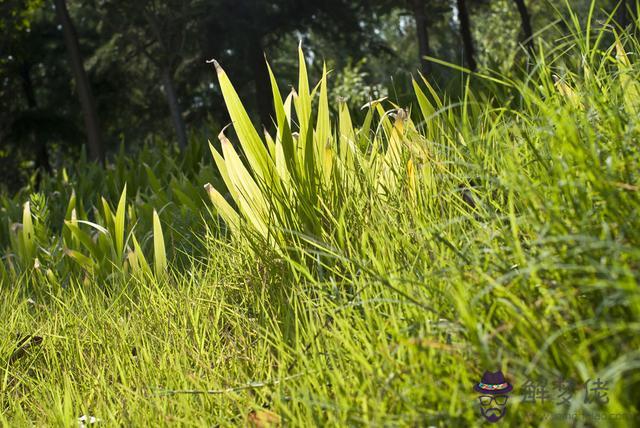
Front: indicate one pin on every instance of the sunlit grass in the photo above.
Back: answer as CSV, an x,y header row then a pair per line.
x,y
370,280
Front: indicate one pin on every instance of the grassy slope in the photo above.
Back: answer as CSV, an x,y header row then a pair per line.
x,y
410,298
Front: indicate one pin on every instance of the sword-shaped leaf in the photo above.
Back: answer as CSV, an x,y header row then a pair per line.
x,y
119,223
250,140
159,252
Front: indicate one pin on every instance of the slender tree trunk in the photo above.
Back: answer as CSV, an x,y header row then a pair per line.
x,y
27,85
96,150
623,14
525,22
422,32
42,155
465,32
174,107
262,81
626,14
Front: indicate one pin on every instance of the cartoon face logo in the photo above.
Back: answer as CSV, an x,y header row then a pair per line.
x,y
493,390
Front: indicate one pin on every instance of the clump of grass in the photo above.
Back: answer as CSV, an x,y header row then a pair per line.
x,y
97,223
372,271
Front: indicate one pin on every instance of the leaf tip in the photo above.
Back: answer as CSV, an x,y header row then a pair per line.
x,y
223,138
216,65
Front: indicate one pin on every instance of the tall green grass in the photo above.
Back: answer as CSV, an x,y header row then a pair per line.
x,y
355,273
86,220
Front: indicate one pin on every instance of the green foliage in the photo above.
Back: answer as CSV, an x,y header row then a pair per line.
x,y
353,88
375,268
295,181
159,252
17,15
75,229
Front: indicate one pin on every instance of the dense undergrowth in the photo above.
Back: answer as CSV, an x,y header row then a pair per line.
x,y
334,273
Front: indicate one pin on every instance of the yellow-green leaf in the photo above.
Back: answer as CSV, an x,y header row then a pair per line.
x,y
159,252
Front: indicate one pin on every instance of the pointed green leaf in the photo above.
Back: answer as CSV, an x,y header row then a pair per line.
x,y
251,143
81,259
159,253
226,211
28,233
119,223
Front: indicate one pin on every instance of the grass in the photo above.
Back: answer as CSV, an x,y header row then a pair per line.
x,y
368,281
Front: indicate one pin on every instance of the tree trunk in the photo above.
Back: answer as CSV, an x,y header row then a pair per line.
x,y
622,14
262,81
174,107
42,155
525,22
27,85
465,32
96,150
626,15
422,32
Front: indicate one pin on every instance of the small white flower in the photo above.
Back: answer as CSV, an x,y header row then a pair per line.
x,y
84,420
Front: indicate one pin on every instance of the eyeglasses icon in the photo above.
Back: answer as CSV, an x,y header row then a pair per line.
x,y
486,400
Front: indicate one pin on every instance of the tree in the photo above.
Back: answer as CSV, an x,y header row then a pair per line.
x,y
243,31
525,22
15,29
165,33
465,33
85,95
422,32
625,14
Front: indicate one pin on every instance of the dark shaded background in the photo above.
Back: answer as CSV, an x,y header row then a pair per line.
x,y
103,73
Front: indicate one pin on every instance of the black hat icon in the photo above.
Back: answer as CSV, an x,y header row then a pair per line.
x,y
493,384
